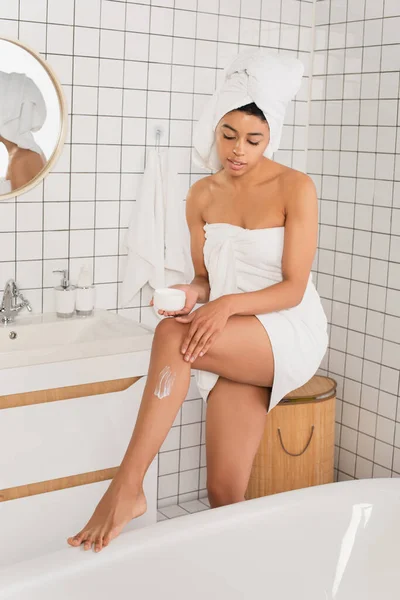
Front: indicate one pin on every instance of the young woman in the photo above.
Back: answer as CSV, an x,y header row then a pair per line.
x,y
253,227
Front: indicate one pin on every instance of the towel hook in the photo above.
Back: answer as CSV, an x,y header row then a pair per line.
x,y
158,137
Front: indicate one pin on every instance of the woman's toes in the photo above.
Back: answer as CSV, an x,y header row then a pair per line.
x,y
88,544
76,539
106,540
98,545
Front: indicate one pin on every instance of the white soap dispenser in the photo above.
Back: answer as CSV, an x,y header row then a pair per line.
x,y
64,296
85,293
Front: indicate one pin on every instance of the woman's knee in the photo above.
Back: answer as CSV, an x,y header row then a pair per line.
x,y
223,494
168,330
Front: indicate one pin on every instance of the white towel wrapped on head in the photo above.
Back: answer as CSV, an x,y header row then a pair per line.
x,y
22,110
268,79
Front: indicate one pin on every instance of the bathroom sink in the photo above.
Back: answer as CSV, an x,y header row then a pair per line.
x,y
47,338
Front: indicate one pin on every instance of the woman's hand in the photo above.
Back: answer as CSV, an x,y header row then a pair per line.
x,y
207,322
191,299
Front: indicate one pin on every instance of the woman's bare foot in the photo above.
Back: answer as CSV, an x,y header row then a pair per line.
x,y
120,504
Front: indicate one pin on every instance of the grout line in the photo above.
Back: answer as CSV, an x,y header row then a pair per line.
x,y
71,121
362,358
310,80
119,228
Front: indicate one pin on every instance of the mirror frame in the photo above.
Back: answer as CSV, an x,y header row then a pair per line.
x,y
64,119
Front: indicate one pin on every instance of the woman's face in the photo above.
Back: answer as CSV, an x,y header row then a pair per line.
x,y
241,140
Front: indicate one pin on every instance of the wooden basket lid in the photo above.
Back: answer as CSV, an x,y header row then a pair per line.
x,y
318,387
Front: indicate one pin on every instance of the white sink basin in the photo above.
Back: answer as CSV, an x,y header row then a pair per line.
x,y
47,338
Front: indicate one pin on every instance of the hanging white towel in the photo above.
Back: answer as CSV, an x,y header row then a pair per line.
x,y
157,238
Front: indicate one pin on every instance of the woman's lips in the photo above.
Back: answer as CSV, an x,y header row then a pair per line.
x,y
236,165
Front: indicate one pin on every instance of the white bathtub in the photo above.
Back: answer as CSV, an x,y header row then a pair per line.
x,y
339,541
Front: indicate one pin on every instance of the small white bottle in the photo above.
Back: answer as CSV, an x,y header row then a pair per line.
x,y
64,296
85,293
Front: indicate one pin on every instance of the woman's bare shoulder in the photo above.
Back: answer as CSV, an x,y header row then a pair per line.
x,y
199,192
290,177
294,177
27,159
203,186
24,166
293,184
299,193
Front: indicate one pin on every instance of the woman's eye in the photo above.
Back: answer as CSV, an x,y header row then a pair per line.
x,y
232,138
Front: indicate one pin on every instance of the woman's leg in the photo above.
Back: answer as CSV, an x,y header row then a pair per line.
x,y
124,499
235,422
242,352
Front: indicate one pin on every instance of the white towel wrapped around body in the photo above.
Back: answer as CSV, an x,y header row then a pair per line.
x,y
246,260
270,80
22,110
157,239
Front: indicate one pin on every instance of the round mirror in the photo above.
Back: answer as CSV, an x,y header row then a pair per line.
x,y
33,118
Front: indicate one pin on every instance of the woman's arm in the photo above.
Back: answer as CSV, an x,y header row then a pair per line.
x,y
194,203
202,286
301,231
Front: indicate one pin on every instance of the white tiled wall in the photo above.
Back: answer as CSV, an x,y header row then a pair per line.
x,y
353,156
126,69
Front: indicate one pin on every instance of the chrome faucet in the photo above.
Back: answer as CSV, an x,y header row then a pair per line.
x,y
9,305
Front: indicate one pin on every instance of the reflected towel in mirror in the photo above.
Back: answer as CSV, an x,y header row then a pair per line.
x,y
22,110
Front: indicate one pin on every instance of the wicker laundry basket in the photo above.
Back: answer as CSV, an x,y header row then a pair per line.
x,y
297,447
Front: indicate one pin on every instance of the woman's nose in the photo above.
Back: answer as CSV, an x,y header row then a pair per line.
x,y
238,149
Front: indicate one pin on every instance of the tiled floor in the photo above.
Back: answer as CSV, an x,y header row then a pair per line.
x,y
180,510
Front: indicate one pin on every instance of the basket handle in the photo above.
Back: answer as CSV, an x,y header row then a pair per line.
x,y
305,448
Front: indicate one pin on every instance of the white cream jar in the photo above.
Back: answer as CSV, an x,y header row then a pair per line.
x,y
169,299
